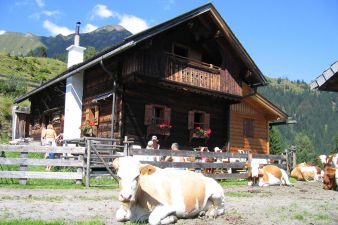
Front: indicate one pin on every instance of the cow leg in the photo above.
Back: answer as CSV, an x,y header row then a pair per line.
x,y
216,202
215,206
123,214
162,215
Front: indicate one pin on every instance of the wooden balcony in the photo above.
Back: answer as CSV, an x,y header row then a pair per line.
x,y
182,70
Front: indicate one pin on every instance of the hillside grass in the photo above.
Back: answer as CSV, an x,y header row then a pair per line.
x,y
33,68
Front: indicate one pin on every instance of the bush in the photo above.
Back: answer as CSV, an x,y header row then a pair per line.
x,y
13,86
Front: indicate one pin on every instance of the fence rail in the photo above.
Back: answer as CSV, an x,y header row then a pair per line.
x,y
218,169
93,157
30,83
77,154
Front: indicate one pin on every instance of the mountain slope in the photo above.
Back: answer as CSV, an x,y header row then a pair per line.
x,y
33,68
315,112
22,43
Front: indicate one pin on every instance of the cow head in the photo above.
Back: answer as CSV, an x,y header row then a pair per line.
x,y
323,159
129,170
253,172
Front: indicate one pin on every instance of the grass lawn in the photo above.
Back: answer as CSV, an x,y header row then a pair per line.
x,y
52,222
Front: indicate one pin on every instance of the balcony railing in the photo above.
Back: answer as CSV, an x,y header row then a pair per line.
x,y
182,70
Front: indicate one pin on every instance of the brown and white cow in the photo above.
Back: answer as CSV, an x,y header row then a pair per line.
x,y
306,172
161,196
330,179
331,160
266,176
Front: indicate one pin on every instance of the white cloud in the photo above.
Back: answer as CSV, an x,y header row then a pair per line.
x,y
2,32
55,29
89,28
40,3
102,11
132,23
50,13
168,4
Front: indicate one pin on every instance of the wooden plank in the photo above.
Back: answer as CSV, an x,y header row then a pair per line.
x,y
273,157
41,162
41,175
185,153
237,165
227,176
41,149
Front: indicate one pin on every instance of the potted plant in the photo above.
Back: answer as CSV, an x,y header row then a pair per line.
x,y
87,127
199,132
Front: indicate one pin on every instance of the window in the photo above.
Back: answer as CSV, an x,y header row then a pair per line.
x,y
198,119
248,128
158,116
180,50
154,116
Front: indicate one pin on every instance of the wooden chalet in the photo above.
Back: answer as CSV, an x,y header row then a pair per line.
x,y
189,72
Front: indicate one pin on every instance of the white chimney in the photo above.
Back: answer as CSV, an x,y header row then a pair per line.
x,y
74,90
75,51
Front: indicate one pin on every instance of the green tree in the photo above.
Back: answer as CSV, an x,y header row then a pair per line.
x,y
335,150
275,141
41,51
90,52
305,151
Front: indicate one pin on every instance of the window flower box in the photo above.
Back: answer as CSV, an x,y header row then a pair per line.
x,y
160,129
198,132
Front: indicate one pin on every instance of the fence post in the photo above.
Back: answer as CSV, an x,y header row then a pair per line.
x,y
88,144
286,152
126,146
249,157
294,161
23,168
80,169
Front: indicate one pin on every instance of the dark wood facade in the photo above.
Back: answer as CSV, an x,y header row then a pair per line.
x,y
185,73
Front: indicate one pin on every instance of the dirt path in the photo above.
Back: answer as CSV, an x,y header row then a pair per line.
x,y
305,203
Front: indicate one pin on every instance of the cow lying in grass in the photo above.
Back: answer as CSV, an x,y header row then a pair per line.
x,y
161,196
267,175
306,172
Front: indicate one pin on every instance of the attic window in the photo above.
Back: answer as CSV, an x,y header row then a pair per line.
x,y
180,50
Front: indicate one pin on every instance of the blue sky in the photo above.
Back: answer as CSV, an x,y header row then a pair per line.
x,y
297,39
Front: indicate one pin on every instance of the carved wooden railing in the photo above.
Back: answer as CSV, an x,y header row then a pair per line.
x,y
182,70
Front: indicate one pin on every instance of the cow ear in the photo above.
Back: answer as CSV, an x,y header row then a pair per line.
x,y
116,163
147,169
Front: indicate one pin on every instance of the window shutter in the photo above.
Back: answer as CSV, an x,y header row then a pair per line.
x,y
206,121
96,117
167,115
89,114
191,116
148,114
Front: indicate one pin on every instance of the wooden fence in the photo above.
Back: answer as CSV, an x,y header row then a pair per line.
x,y
93,157
76,160
30,83
233,161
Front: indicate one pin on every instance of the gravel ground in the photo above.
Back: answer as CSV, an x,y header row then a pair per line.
x,y
305,203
